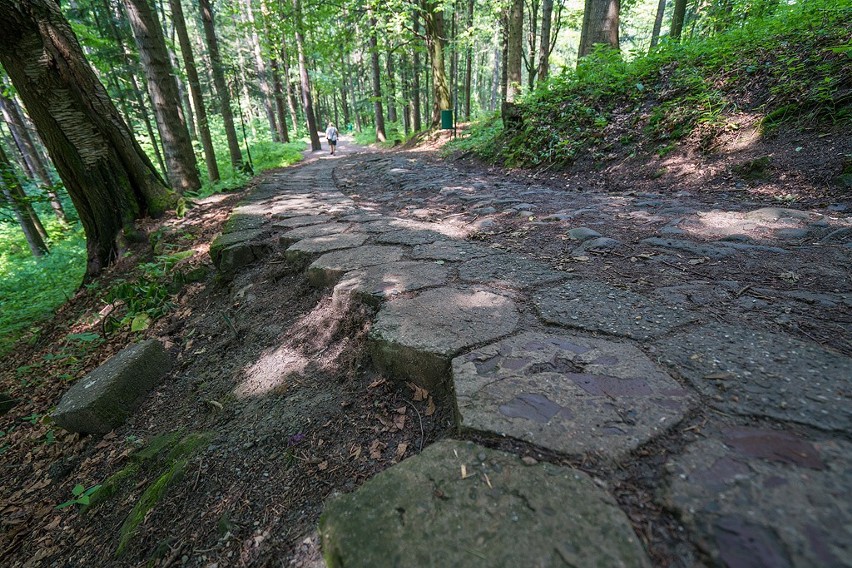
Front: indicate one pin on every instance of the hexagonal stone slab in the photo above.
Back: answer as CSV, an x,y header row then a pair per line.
x,y
377,283
328,269
459,504
755,497
510,270
451,251
409,237
569,393
595,306
103,399
319,245
757,373
304,221
415,338
312,231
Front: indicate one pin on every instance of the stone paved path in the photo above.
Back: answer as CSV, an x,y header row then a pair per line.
x,y
574,368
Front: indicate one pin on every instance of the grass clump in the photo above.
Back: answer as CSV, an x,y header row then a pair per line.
x,y
792,67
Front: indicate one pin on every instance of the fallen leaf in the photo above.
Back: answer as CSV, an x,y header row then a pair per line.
x,y
430,407
376,448
323,465
378,382
581,258
419,392
355,451
463,471
400,450
399,421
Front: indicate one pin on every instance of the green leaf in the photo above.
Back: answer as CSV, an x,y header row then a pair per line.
x,y
66,504
91,490
78,490
141,322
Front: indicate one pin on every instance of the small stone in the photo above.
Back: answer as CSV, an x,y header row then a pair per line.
x,y
529,460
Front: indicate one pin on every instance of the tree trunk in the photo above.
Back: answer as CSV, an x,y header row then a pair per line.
x,y
530,62
544,56
344,89
110,180
454,60
376,81
180,157
658,24
288,88
304,78
351,85
468,70
278,93
600,25
504,57
262,79
182,91
392,116
12,193
434,20
195,90
514,47
678,16
222,91
416,123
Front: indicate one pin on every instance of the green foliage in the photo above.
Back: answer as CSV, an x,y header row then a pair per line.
x,y
480,138
792,66
82,496
32,288
394,134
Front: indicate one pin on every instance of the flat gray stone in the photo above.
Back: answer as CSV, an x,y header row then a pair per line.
x,y
327,269
388,225
303,221
319,245
103,399
451,251
362,217
583,234
690,247
776,213
757,373
460,504
568,393
600,244
755,497
510,270
312,231
409,237
415,338
377,283
243,222
598,307
226,240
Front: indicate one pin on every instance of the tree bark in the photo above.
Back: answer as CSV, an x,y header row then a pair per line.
x,y
304,78
658,23
678,16
416,123
180,157
544,56
195,91
530,62
376,81
13,194
468,70
110,180
262,78
392,116
515,45
222,91
288,88
600,25
434,23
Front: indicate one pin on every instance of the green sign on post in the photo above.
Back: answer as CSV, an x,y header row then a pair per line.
x,y
447,119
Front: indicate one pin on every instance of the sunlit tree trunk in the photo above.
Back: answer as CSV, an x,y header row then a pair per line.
x,y
288,89
304,78
678,16
416,123
110,180
222,91
262,78
600,25
658,23
468,63
180,157
434,23
544,56
379,119
392,116
531,64
195,91
514,48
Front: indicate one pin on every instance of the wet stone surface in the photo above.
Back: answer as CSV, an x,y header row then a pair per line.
x,y
756,373
755,497
568,393
459,504
415,338
595,306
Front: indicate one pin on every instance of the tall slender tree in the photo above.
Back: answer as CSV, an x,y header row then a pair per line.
x,y
678,17
376,79
110,180
262,75
305,79
195,90
222,90
514,48
544,55
14,196
180,157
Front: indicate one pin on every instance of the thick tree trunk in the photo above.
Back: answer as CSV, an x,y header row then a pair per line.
x,y
434,22
180,157
678,16
195,91
514,46
544,56
600,25
379,118
305,79
222,91
109,178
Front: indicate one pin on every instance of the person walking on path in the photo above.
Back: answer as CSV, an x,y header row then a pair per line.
x,y
331,135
